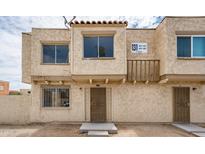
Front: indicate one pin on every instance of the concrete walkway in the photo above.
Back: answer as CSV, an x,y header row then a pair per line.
x,y
192,128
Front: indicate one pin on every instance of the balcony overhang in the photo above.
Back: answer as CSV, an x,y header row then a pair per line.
x,y
98,78
182,78
91,79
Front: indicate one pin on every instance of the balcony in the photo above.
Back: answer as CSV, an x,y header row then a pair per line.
x,y
143,70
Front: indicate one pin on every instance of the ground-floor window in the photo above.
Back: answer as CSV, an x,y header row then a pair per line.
x,y
55,97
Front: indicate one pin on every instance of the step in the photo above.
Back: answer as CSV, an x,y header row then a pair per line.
x,y
98,133
110,127
190,128
199,134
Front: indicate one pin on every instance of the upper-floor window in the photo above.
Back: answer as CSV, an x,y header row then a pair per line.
x,y
191,46
55,54
98,46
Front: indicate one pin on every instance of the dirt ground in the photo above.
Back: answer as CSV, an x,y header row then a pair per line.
x,y
72,130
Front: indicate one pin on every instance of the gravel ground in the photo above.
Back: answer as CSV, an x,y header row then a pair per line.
x,y
71,130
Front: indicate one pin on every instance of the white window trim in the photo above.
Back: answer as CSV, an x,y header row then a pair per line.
x,y
55,63
192,47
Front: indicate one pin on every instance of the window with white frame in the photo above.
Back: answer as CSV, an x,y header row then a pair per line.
x,y
56,97
191,46
55,54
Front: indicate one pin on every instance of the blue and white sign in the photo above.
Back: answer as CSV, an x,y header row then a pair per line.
x,y
139,47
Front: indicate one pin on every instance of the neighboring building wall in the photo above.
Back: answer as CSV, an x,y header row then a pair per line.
x,y
4,88
81,66
166,45
15,109
48,36
26,57
142,36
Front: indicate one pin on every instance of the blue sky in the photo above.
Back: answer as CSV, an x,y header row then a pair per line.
x,y
11,28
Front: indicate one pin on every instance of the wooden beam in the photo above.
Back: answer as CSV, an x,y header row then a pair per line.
x,y
123,81
46,82
147,82
61,82
106,81
90,81
163,81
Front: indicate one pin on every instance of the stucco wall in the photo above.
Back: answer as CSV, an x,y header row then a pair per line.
x,y
26,57
125,103
84,66
48,36
142,36
197,106
154,102
142,103
166,41
15,109
74,113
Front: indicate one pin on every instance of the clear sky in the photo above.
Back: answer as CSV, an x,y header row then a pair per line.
x,y
11,28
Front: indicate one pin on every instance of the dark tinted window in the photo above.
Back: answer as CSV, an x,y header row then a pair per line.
x,y
106,46
61,54
184,46
48,53
90,47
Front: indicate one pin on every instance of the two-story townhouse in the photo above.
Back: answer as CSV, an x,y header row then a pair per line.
x,y
103,71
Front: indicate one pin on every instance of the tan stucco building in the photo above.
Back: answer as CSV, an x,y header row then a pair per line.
x,y
104,71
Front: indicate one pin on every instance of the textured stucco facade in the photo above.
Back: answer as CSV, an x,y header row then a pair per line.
x,y
117,65
166,45
15,109
125,101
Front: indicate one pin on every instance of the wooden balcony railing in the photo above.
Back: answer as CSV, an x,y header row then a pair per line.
x,y
143,70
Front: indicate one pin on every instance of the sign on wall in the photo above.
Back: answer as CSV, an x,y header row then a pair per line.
x,y
139,47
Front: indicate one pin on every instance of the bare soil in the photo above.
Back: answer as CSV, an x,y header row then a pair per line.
x,y
72,130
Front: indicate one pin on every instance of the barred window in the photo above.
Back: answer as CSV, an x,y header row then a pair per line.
x,y
56,97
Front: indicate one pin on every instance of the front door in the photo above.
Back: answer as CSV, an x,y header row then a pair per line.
x,y
98,104
181,104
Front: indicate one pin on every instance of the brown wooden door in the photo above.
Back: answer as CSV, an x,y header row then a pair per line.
x,y
181,104
98,104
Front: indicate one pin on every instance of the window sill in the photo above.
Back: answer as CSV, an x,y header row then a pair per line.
x,y
55,64
101,58
190,58
55,108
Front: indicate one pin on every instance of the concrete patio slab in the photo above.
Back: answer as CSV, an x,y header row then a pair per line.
x,y
191,128
199,134
98,133
110,127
